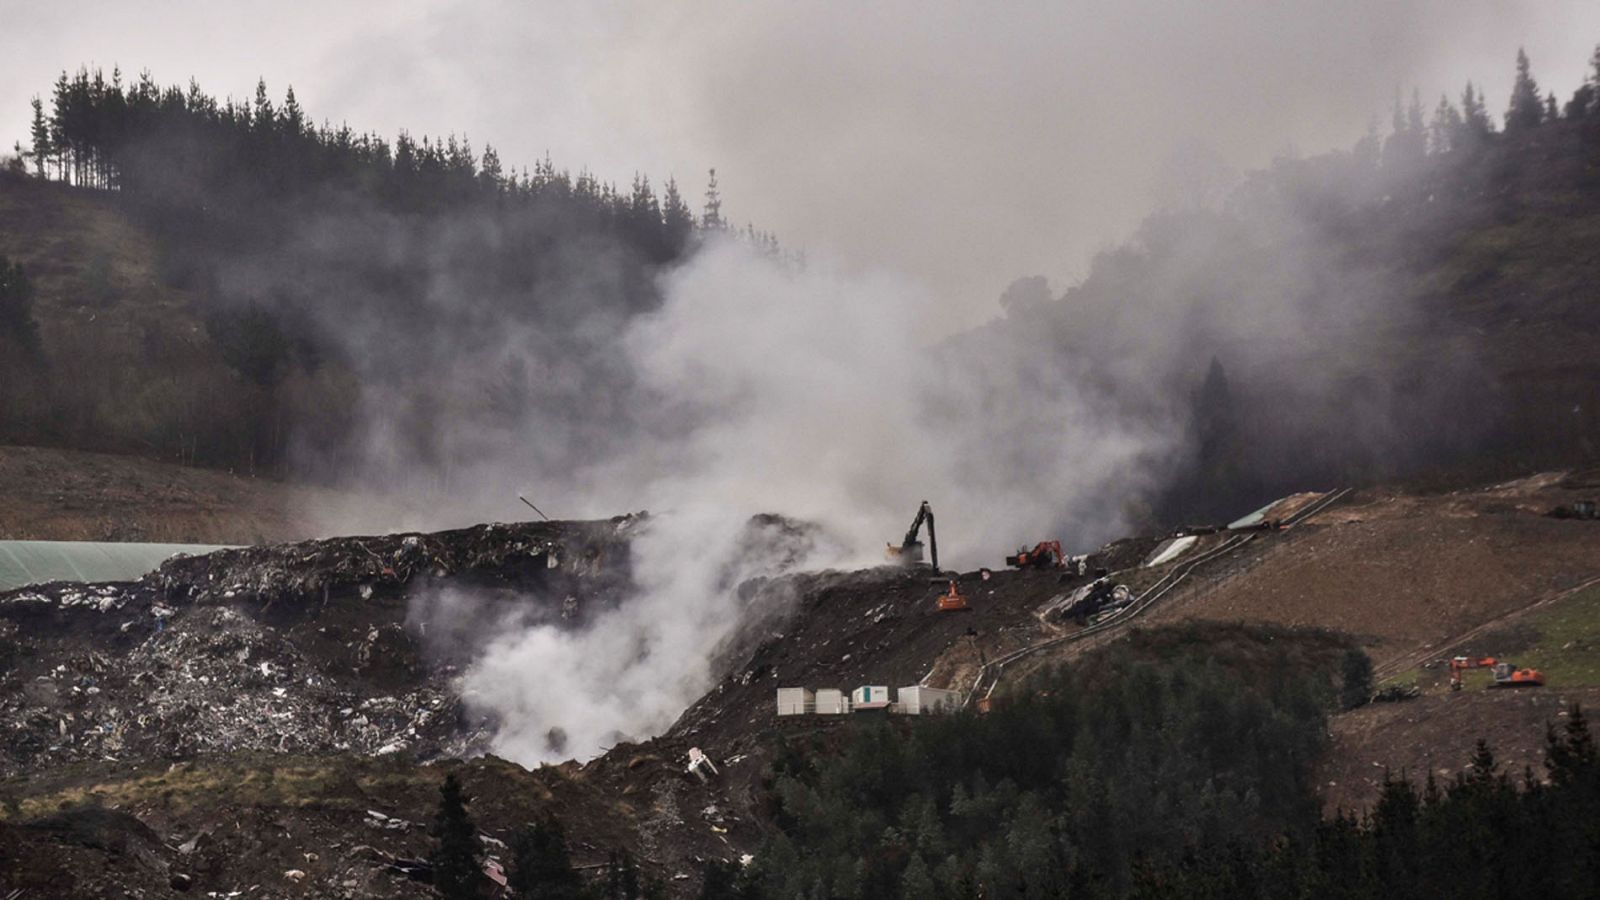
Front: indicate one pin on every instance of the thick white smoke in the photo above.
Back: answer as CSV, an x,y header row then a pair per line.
x,y
806,394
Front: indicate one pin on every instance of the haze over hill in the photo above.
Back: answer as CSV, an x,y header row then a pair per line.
x,y
954,145
389,332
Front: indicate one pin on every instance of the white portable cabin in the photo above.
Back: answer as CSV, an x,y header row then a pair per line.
x,y
870,696
831,702
796,701
917,700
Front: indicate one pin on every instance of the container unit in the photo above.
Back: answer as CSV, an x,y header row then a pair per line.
x,y
831,702
796,701
870,696
920,701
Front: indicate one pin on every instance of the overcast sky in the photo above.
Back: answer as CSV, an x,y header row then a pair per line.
x,y
959,145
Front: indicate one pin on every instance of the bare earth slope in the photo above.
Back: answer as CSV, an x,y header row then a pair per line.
x,y
1408,573
70,495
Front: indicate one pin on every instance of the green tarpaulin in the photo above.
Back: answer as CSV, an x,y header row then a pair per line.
x,y
34,562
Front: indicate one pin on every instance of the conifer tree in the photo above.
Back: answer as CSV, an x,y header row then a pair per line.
x,y
677,220
1445,127
292,118
711,219
1526,109
540,865
16,307
41,138
1357,673
457,855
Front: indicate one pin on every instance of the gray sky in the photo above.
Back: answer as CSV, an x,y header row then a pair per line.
x,y
957,145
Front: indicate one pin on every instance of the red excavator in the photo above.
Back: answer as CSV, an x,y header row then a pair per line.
x,y
1044,555
1506,674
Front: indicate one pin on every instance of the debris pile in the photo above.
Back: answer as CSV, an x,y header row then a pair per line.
x,y
298,648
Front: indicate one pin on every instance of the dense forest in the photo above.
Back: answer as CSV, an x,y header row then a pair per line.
x,y
1171,769
1419,306
1176,763
350,308
325,263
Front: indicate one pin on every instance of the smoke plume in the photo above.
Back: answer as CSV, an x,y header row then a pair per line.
x,y
761,387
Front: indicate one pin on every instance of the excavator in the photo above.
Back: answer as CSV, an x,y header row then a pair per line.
x,y
953,601
1044,555
909,553
1506,674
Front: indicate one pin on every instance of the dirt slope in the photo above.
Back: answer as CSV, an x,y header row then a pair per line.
x,y
1410,574
67,495
1437,732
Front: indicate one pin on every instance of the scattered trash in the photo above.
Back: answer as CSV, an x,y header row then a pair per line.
x,y
700,765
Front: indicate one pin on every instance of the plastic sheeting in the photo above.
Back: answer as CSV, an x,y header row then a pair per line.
x,y
1171,549
36,562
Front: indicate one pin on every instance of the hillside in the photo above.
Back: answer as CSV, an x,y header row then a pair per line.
x,y
295,691
255,331
69,495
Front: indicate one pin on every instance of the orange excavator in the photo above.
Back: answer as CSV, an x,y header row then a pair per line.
x,y
1506,674
952,601
1044,555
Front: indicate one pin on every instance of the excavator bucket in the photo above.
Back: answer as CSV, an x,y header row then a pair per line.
x,y
952,601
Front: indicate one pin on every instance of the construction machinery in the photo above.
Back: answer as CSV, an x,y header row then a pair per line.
x,y
909,553
1044,555
1506,674
952,601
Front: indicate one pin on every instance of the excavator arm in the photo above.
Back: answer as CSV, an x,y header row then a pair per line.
x,y
924,514
910,549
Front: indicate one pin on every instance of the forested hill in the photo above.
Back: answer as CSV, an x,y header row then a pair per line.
x,y
1420,306
227,283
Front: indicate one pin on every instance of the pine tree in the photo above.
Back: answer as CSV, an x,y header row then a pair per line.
x,y
622,878
916,883
1476,124
41,138
540,865
711,219
1526,109
16,307
1594,76
1484,765
677,220
1446,126
1357,672
491,173
457,856
262,109
291,117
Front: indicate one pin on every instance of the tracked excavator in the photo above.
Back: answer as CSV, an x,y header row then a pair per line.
x,y
1044,555
1506,674
909,553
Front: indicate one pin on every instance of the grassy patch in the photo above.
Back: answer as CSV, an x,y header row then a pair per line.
x,y
1562,641
1568,648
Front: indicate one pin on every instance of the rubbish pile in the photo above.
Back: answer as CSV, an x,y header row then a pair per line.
x,y
297,648
1096,600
